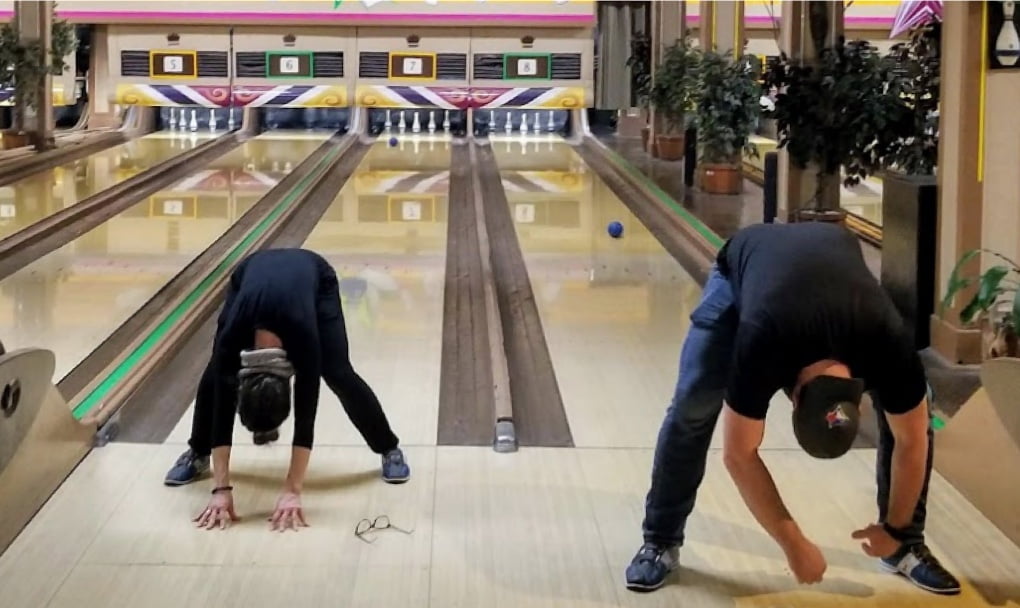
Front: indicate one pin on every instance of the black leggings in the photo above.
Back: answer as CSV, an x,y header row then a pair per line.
x,y
358,400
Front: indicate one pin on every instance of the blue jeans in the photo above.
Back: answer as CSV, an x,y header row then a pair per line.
x,y
686,432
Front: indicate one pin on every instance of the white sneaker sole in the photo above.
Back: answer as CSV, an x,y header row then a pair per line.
x,y
894,570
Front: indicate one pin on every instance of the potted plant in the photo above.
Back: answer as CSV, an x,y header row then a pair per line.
x,y
834,116
640,64
27,66
671,95
995,306
726,109
909,189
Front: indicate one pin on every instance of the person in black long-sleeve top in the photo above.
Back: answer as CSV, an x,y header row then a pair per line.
x,y
282,318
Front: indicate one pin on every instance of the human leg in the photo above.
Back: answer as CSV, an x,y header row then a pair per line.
x,y
686,432
357,398
194,462
914,560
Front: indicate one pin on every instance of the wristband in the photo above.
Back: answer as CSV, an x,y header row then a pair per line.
x,y
896,533
222,489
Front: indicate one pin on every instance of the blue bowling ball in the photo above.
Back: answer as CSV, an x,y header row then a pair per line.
x,y
615,229
393,142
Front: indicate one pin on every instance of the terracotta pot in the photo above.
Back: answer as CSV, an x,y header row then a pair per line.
x,y
670,147
834,216
716,178
15,139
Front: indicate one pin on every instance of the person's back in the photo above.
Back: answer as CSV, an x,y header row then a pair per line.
x,y
780,264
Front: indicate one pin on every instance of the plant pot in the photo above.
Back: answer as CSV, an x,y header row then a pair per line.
x,y
909,235
15,139
833,216
670,147
718,178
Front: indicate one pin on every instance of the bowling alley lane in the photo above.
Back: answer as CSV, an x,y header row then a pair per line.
x,y
615,311
385,234
72,299
44,193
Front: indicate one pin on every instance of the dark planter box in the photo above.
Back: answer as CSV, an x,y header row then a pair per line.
x,y
909,238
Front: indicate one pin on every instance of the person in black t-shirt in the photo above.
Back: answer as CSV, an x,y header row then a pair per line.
x,y
282,318
793,307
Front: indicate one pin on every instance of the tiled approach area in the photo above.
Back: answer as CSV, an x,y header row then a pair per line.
x,y
543,526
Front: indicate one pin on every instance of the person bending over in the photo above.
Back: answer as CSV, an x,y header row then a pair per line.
x,y
794,307
282,318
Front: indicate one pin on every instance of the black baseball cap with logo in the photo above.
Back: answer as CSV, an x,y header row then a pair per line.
x,y
827,415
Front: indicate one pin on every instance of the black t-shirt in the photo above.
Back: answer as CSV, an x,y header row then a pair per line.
x,y
282,291
803,293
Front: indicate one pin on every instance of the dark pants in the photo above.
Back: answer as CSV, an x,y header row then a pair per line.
x,y
686,432
357,398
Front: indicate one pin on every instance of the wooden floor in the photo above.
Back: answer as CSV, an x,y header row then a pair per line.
x,y
544,527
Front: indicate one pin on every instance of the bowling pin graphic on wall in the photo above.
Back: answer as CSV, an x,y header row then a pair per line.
x,y
1006,44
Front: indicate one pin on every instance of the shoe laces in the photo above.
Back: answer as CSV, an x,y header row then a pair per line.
x,y
650,553
927,558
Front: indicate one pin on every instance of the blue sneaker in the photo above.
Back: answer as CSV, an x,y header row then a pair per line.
x,y
187,469
919,566
394,468
650,566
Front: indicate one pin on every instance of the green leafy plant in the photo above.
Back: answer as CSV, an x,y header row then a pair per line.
x,y
673,88
998,291
640,64
726,107
25,64
914,71
836,113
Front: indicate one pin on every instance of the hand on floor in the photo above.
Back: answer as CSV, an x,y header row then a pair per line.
x,y
807,562
288,513
219,512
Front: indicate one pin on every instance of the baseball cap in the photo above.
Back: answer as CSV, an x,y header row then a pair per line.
x,y
827,415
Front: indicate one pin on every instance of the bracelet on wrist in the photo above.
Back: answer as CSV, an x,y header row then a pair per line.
x,y
897,533
219,489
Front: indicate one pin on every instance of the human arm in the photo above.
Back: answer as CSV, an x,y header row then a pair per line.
x,y
757,367
899,389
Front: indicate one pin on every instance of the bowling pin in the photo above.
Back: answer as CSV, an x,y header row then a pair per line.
x,y
432,121
212,120
416,125
230,119
389,123
509,125
276,166
551,125
524,123
288,166
173,118
492,121
193,125
1007,43
402,123
446,120
182,124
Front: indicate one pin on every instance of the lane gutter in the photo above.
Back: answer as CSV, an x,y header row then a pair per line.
x,y
58,229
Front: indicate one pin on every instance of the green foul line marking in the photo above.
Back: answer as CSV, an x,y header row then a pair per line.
x,y
713,238
157,334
